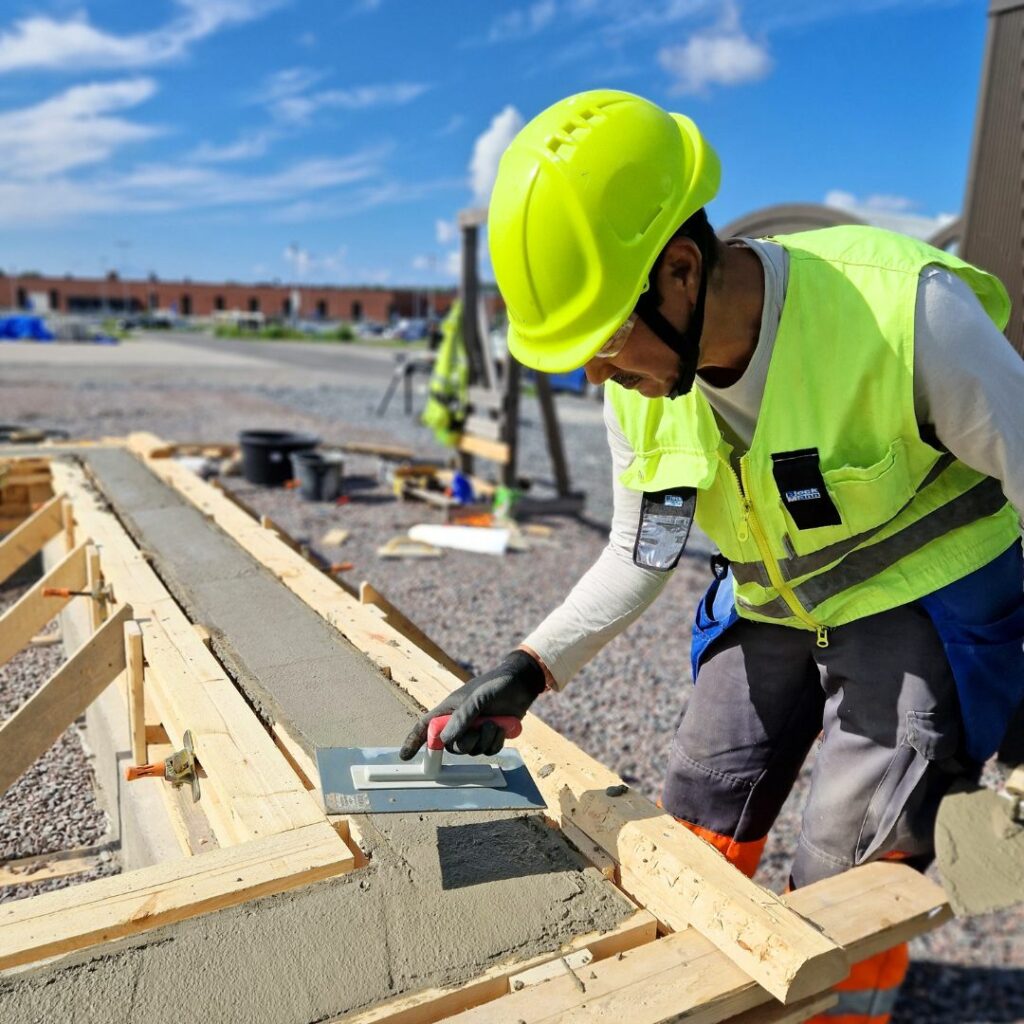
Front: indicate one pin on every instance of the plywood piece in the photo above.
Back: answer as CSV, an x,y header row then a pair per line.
x,y
496,451
335,537
259,793
685,881
27,616
684,976
29,538
111,908
41,720
46,866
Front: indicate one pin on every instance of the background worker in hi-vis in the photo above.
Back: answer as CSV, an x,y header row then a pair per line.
x,y
841,413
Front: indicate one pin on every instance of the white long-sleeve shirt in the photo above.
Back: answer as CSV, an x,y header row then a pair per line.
x,y
968,389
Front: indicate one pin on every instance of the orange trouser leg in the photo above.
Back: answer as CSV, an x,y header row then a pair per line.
x,y
869,992
868,995
745,856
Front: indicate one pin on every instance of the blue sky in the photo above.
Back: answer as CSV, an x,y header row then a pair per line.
x,y
335,140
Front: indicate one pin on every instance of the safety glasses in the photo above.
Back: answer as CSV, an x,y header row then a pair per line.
x,y
615,344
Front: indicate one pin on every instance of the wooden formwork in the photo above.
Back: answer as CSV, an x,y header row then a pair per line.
x,y
706,943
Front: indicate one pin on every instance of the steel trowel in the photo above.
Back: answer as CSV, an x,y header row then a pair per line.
x,y
375,780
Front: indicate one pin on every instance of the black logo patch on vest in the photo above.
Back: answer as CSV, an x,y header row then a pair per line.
x,y
802,488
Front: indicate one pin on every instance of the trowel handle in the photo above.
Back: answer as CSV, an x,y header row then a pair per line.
x,y
511,726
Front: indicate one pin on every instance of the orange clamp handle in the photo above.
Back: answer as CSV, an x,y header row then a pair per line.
x,y
57,592
141,771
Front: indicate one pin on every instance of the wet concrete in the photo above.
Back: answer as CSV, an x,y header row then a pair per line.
x,y
444,896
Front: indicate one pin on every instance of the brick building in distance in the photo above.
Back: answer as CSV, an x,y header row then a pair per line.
x,y
119,296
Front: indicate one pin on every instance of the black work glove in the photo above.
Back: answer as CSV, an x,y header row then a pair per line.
x,y
509,689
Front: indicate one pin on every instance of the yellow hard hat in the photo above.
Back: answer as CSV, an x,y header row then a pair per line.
x,y
587,195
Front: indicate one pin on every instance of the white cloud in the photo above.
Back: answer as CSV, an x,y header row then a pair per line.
x,y
453,263
73,128
75,44
487,150
447,231
723,55
896,213
522,22
452,125
244,147
288,97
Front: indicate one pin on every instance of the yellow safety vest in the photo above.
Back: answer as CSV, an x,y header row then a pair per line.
x,y
906,518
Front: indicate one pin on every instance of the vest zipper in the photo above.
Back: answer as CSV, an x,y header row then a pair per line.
x,y
751,522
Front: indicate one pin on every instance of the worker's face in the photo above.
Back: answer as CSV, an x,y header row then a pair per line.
x,y
645,364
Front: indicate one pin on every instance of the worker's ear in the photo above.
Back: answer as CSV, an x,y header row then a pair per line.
x,y
680,268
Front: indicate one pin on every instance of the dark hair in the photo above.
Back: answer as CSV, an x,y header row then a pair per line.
x,y
699,230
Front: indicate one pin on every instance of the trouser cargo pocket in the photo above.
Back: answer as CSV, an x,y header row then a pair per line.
x,y
929,743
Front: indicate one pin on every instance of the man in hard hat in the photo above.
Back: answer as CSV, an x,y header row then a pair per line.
x,y
841,413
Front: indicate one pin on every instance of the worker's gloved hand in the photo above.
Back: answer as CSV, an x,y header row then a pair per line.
x,y
509,689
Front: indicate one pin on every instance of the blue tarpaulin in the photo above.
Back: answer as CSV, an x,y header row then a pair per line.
x,y
24,328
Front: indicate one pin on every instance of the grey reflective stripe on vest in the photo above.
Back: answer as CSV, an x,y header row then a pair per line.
x,y
801,565
986,498
871,1002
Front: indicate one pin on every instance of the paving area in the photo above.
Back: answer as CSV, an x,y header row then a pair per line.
x,y
623,708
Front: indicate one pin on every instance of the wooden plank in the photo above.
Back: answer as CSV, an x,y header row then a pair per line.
x,y
41,720
29,538
369,594
683,880
26,617
496,451
479,426
260,794
779,1013
93,583
111,908
136,693
684,976
43,867
67,514
436,1004
189,821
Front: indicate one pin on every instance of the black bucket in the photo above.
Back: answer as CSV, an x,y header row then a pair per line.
x,y
265,454
319,474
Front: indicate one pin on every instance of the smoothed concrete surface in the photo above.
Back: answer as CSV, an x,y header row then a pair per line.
x,y
444,897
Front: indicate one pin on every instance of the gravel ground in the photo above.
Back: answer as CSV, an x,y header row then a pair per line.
x,y
52,807
622,709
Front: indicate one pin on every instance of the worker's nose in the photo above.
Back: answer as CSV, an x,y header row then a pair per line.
x,y
598,370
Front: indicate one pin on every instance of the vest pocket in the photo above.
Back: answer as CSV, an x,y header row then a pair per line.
x,y
867,497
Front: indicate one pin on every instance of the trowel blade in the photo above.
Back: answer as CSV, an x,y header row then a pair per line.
x,y
979,848
341,796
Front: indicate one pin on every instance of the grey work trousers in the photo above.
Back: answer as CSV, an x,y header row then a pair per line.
x,y
882,696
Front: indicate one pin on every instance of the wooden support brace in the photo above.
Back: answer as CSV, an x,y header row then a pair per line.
x,y
29,538
94,583
111,908
136,693
685,977
496,451
67,514
24,619
41,720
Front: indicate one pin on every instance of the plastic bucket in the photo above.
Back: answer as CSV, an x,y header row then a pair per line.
x,y
265,454
319,474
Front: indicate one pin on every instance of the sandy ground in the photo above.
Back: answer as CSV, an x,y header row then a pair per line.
x,y
623,708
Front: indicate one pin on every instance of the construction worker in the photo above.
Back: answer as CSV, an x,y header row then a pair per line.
x,y
841,413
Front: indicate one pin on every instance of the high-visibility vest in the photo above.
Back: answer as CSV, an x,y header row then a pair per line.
x,y
448,396
907,518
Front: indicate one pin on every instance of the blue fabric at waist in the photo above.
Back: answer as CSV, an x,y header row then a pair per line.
x,y
980,621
